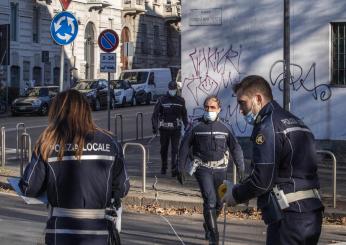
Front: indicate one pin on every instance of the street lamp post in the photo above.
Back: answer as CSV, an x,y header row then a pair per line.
x,y
287,73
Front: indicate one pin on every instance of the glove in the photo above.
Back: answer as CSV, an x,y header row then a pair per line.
x,y
225,193
241,176
181,177
154,131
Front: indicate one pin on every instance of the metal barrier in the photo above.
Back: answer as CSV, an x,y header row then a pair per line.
x,y
234,174
144,172
25,151
24,131
3,146
137,119
116,116
331,154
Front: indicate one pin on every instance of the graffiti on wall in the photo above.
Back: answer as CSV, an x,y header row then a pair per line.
x,y
213,70
216,69
299,81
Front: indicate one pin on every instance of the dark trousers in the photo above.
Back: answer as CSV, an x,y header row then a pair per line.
x,y
209,180
296,229
167,136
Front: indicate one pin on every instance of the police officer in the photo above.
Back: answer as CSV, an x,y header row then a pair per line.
x,y
205,151
168,116
284,168
81,167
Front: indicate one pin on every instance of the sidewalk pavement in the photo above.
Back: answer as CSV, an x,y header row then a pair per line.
x,y
164,190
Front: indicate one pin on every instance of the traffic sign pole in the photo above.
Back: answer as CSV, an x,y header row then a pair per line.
x,y
109,102
63,29
108,41
61,82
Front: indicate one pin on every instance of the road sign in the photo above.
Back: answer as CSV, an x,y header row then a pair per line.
x,y
65,3
108,62
64,28
108,40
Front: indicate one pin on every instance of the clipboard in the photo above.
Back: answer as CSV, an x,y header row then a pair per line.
x,y
42,199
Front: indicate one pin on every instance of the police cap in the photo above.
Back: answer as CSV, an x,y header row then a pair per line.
x,y
172,85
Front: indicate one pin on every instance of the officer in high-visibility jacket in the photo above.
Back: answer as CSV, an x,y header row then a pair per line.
x,y
81,168
205,151
169,116
283,174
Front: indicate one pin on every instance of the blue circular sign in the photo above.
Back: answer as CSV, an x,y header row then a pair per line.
x,y
64,28
108,40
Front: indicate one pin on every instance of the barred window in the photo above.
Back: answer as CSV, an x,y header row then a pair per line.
x,y
157,46
14,21
36,24
144,38
339,53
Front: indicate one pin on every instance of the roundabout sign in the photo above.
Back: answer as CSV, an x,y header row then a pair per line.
x,y
64,28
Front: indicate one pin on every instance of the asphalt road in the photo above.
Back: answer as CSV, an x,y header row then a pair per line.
x,y
36,124
24,224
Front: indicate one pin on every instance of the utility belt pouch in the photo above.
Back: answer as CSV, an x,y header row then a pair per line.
x,y
194,164
271,211
281,198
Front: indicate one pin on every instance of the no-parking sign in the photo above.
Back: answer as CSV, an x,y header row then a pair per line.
x,y
108,40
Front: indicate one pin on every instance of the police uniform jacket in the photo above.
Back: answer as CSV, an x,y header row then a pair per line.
x,y
168,109
208,141
284,154
88,183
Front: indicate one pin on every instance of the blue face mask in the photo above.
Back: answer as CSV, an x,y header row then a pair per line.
x,y
172,92
210,115
250,117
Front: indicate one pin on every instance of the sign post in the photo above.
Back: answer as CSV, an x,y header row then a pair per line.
x,y
65,4
108,41
63,29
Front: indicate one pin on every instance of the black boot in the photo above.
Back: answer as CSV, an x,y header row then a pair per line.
x,y
164,168
211,223
206,232
174,172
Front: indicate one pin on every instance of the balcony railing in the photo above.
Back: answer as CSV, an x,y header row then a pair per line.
x,y
171,12
133,6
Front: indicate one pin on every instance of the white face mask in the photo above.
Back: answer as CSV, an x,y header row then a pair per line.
x,y
172,92
210,115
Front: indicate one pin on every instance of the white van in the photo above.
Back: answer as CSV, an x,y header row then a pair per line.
x,y
149,83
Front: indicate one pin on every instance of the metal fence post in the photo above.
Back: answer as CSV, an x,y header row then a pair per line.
x,y
144,165
3,146
25,151
139,115
331,154
116,116
24,130
234,174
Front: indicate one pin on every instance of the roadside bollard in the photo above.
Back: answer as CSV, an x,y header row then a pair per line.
x,y
116,116
139,115
3,146
22,125
25,151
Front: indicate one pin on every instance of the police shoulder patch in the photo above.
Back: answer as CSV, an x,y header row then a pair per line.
x,y
260,139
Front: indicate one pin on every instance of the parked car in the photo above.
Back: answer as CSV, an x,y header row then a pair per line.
x,y
96,91
149,83
123,92
35,100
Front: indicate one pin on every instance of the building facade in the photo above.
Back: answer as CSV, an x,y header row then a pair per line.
x,y
225,40
153,29
34,58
